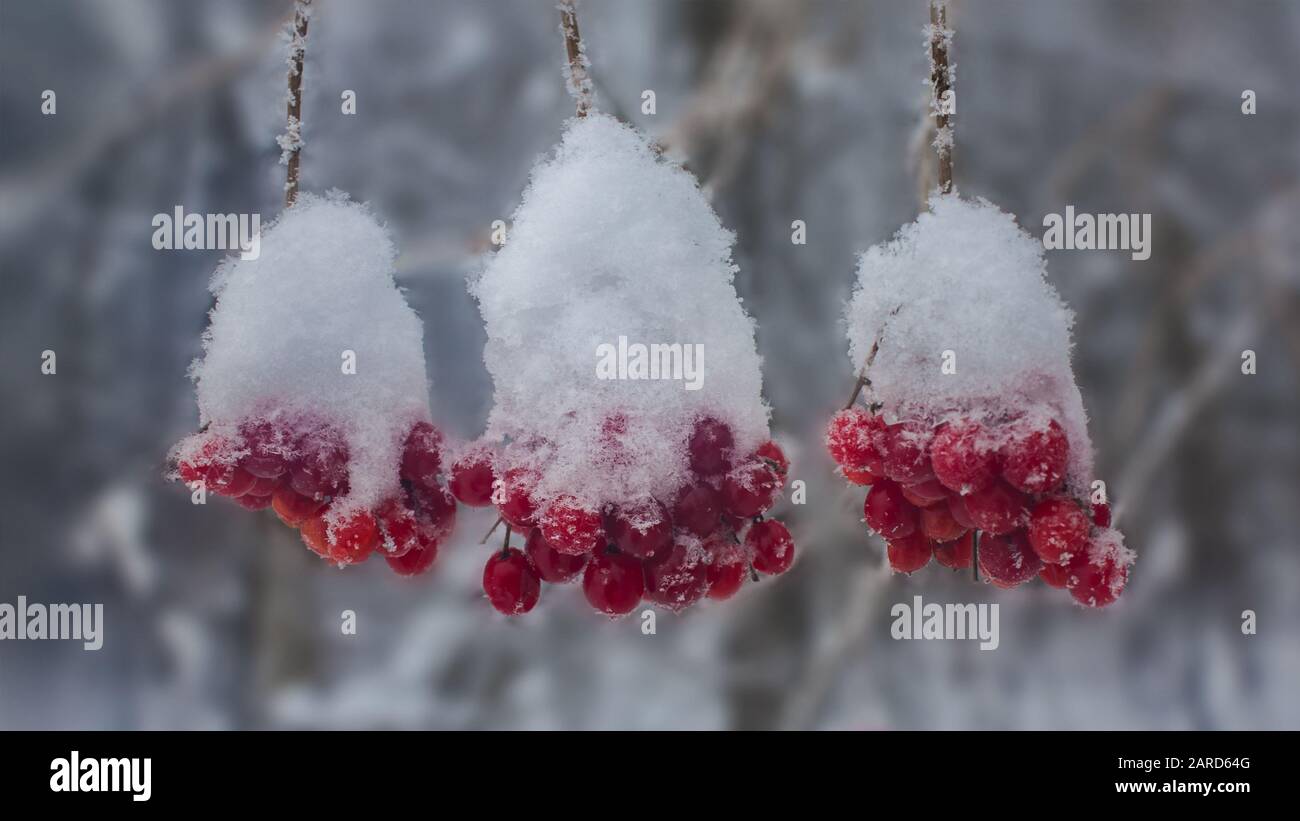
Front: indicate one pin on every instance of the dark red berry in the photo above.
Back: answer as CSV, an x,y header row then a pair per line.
x,y
908,554
926,493
1034,459
956,554
679,578
416,560
996,509
322,471
422,455
613,582
510,583
1008,560
435,509
472,477
710,447
697,510
641,529
888,513
772,546
552,565
1058,530
962,462
750,490
727,568
771,453
399,531
1101,514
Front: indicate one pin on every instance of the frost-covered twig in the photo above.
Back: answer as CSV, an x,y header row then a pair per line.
x,y
577,75
291,141
942,74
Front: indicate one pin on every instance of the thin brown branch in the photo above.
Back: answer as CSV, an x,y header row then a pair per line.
x,y
292,140
941,76
580,85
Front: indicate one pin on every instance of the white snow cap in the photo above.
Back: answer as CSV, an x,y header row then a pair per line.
x,y
965,278
275,346
612,241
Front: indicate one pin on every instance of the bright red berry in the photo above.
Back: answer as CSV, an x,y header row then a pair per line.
x,y
997,509
399,530
710,447
697,510
471,478
1034,459
938,524
513,496
750,489
613,582
641,529
1058,530
422,455
909,554
771,453
262,487
679,578
859,477
956,554
1008,560
926,493
960,515
962,462
315,535
772,546
416,560
905,446
231,481
572,527
292,507
510,583
1055,575
727,570
853,440
552,565
353,539
888,513
1096,581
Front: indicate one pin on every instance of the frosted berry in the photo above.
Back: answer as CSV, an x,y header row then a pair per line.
x,y
510,583
1008,560
572,527
399,530
353,539
956,554
772,546
888,513
909,554
552,565
1034,459
264,444
679,578
697,510
1055,575
1096,583
231,481
416,560
641,530
1058,530
997,509
205,466
292,507
613,582
771,453
960,461
471,478
710,447
853,440
905,448
322,472
421,455
513,496
750,489
727,570
926,493
938,524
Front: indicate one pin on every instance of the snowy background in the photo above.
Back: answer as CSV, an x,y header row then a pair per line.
x,y
788,110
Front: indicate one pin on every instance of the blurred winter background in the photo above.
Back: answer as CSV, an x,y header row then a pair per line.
x,y
788,110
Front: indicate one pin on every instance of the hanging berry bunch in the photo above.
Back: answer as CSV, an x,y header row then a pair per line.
x,y
311,389
629,439
966,425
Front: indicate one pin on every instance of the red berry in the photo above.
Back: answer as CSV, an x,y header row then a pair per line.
x,y
641,529
513,496
252,501
416,560
1058,530
353,539
750,490
909,554
613,582
771,453
938,524
292,507
1096,583
421,455
859,477
1034,459
262,487
435,509
571,527
1056,575
997,509
265,445
956,554
205,465
552,565
322,472
399,529
905,448
1101,514
957,507
510,583
772,546
697,510
315,535
853,439
961,462
888,513
710,447
925,494
1008,560
679,578
231,481
727,570
471,478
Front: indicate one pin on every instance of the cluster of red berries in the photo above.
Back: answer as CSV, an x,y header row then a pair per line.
x,y
705,541
299,470
950,491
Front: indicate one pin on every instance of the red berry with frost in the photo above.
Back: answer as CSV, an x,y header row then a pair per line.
x,y
938,524
679,578
710,447
230,481
1008,560
905,446
435,509
265,445
613,582
771,453
961,462
292,507
510,583
322,471
552,565
727,570
997,509
1055,575
956,554
572,527
399,530
926,493
416,560
642,529
888,513
1058,530
853,439
772,547
354,538
1101,514
698,510
513,496
750,489
1034,458
472,477
909,554
422,455
1096,581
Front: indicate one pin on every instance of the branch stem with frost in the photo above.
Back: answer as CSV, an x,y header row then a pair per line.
x,y
578,74
941,80
291,140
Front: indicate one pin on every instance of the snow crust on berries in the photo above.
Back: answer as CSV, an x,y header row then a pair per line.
x,y
964,277
274,347
612,241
